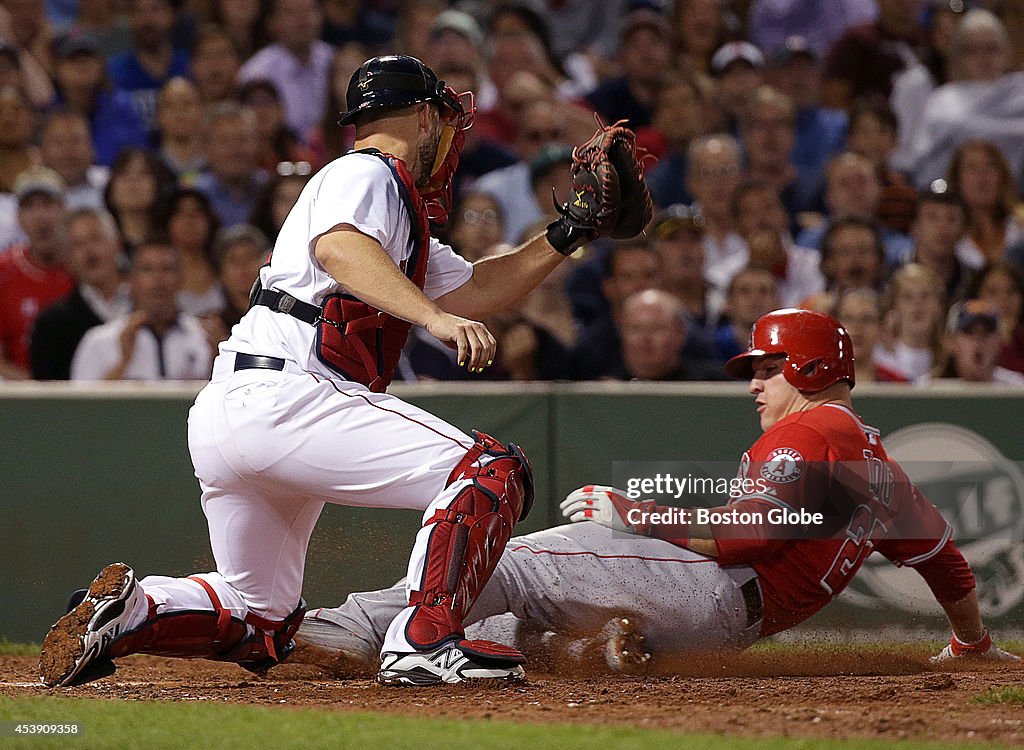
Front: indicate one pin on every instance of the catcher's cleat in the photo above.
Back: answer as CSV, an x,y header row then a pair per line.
x,y
75,649
450,663
624,649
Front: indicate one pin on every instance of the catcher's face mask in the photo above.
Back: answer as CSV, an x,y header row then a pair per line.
x,y
457,112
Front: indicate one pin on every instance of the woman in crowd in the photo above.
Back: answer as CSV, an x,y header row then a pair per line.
x,y
277,142
980,173
860,312
914,323
191,225
278,196
477,226
136,193
1001,284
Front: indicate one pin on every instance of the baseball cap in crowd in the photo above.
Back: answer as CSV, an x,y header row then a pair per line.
x,y
734,52
549,157
459,22
77,43
677,218
38,179
967,316
645,18
794,46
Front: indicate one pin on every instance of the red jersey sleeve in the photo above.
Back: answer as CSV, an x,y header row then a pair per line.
x,y
786,470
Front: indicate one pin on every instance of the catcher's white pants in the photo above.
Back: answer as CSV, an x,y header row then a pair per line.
x,y
573,579
270,448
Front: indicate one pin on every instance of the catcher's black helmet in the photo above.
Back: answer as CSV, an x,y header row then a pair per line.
x,y
394,81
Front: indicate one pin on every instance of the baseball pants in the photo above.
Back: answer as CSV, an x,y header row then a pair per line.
x,y
270,449
573,579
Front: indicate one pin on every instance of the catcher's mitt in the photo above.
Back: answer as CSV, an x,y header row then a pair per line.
x,y
609,197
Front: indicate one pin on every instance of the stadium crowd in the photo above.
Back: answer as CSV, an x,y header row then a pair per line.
x,y
856,157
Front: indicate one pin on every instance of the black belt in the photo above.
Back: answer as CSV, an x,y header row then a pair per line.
x,y
257,362
751,591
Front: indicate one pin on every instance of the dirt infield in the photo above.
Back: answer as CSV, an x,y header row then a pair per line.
x,y
809,693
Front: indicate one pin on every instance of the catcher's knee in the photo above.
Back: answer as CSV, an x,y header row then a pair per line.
x,y
504,473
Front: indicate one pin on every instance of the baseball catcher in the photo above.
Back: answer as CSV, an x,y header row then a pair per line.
x,y
297,413
717,585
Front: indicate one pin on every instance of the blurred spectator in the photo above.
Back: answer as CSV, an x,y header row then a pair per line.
x,y
852,257
276,141
914,322
591,27
752,293
32,275
571,72
232,180
243,21
1001,284
412,31
820,22
865,58
153,59
653,336
457,41
860,312
214,64
347,21
698,29
677,121
939,225
100,294
762,222
30,30
103,20
912,86
644,54
873,134
190,226
676,237
328,140
238,254
795,71
155,341
66,148
278,195
298,62
980,174
738,68
179,117
549,179
852,188
16,120
974,343
630,267
985,101
714,173
138,186
23,71
477,225
543,123
82,85
768,129
515,89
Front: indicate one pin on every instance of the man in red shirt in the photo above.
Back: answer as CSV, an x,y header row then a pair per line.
x,y
819,480
32,276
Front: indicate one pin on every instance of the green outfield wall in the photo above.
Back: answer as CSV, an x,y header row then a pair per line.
x,y
90,476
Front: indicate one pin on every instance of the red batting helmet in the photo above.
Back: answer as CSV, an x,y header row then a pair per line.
x,y
818,349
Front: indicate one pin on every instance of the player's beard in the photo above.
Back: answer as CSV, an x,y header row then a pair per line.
x,y
426,155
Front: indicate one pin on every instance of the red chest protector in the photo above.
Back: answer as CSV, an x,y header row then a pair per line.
x,y
356,340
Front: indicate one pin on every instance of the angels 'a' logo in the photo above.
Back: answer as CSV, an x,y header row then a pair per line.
x,y
782,465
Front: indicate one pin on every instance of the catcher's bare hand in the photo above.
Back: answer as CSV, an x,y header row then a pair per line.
x,y
475,344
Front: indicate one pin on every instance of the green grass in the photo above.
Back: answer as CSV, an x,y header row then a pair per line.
x,y
18,649
1001,696
125,725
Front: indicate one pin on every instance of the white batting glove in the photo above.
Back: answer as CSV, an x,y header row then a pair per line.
x,y
607,506
983,648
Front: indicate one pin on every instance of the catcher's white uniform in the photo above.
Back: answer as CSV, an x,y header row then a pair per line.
x,y
271,447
